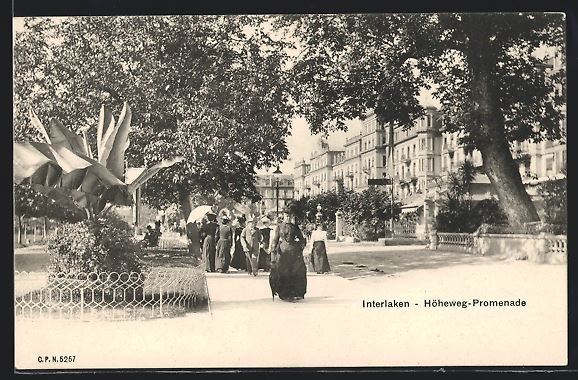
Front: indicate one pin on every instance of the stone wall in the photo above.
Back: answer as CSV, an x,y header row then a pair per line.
x,y
540,248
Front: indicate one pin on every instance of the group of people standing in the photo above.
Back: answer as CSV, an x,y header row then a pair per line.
x,y
249,244
242,243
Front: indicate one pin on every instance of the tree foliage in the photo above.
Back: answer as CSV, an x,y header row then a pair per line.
x,y
483,68
555,196
209,88
30,203
364,211
457,211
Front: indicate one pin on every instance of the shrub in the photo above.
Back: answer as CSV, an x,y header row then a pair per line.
x,y
458,215
367,232
554,194
487,211
106,245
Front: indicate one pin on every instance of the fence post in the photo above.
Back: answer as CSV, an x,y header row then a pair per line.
x,y
81,303
161,301
433,240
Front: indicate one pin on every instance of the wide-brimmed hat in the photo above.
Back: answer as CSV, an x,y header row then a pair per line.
x,y
265,220
249,218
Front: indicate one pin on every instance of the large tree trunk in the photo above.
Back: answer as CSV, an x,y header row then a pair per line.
x,y
185,202
498,163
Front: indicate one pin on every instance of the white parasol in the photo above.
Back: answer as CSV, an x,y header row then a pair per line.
x,y
198,213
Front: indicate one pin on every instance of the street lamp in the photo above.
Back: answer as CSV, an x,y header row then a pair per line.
x,y
277,173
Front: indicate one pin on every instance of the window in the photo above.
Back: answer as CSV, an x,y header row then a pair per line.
x,y
384,157
549,165
429,120
430,164
413,149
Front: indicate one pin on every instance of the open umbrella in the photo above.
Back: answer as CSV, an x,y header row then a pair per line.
x,y
198,213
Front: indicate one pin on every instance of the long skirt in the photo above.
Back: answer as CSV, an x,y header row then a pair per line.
x,y
319,260
209,251
239,261
288,276
264,260
223,255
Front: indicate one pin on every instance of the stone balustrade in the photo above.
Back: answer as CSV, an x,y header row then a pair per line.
x,y
540,248
460,241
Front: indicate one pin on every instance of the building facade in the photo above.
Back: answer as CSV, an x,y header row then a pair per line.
x,y
423,156
267,185
302,185
322,162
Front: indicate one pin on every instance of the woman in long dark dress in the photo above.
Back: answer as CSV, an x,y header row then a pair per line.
x,y
288,276
238,261
210,237
223,255
194,242
264,257
319,260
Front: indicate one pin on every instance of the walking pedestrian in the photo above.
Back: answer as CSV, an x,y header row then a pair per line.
x,y
288,276
223,255
239,260
209,236
194,242
251,240
318,257
264,256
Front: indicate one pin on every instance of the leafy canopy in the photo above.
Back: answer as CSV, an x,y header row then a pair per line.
x,y
209,88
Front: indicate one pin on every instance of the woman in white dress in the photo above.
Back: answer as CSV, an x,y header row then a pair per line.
x,y
318,259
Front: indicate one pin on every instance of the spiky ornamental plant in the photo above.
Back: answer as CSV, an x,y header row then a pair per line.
x,y
63,167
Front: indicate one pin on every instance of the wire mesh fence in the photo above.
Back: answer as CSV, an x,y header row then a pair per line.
x,y
112,295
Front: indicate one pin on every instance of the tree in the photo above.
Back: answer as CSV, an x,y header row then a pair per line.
x,y
30,203
367,211
209,88
483,68
555,195
457,212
